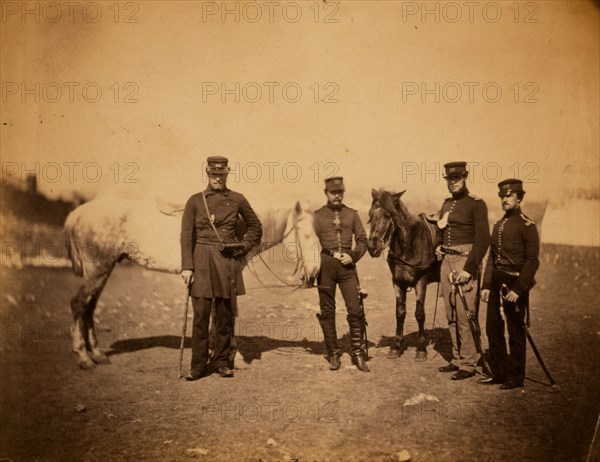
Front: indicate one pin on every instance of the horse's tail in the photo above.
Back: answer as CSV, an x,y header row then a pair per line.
x,y
72,248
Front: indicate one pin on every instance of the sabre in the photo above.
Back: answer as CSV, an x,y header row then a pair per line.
x,y
471,320
503,293
361,297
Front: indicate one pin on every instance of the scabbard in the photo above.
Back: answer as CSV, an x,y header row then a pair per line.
x,y
233,288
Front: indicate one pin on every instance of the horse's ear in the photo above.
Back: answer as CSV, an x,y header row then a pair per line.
x,y
298,208
396,197
375,194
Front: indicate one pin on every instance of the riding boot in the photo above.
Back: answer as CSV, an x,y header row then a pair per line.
x,y
330,338
358,343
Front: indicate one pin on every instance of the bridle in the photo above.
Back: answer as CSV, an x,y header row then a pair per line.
x,y
386,236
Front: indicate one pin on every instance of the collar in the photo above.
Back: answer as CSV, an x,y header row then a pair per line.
x,y
512,212
334,207
209,192
460,195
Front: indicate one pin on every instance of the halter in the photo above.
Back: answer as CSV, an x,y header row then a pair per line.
x,y
386,245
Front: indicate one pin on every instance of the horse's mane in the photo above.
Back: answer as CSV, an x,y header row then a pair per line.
x,y
395,207
274,222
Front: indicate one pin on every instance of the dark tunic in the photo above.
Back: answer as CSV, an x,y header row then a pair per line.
x,y
467,224
349,225
515,250
199,252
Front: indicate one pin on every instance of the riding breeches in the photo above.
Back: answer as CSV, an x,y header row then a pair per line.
x,y
464,352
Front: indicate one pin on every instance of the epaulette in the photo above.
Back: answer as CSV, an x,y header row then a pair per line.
x,y
473,196
528,221
449,198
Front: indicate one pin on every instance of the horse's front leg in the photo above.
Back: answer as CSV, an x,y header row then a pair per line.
x,y
398,343
421,290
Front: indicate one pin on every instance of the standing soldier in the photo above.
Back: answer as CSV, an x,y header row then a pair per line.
x,y
209,223
336,225
465,238
509,275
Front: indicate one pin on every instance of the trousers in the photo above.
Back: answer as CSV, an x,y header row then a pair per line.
x,y
332,274
464,352
504,366
224,319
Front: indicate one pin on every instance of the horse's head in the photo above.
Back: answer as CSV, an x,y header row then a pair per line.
x,y
305,243
381,219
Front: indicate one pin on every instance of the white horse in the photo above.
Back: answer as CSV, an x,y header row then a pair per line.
x,y
105,230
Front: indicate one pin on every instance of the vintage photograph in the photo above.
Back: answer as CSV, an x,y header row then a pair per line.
x,y
310,230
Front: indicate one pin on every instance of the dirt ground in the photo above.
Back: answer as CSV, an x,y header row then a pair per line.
x,y
284,403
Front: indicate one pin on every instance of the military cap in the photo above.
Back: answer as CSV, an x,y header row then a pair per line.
x,y
454,169
217,164
509,186
335,183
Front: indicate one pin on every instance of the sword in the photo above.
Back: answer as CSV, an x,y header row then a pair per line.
x,y
361,297
503,293
472,323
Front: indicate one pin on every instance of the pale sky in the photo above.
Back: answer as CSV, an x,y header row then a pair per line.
x,y
375,66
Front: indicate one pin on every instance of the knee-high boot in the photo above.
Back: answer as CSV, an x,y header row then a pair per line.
x,y
330,338
358,343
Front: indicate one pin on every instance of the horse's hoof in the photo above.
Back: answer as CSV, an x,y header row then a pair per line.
x,y
421,356
394,353
86,364
103,359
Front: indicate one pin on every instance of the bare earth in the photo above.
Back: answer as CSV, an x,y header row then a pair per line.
x,y
284,403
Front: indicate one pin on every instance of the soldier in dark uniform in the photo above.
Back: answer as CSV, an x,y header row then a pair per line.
x,y
336,225
209,270
463,240
509,274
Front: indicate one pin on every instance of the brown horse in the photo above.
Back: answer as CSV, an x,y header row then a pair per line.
x,y
411,259
106,230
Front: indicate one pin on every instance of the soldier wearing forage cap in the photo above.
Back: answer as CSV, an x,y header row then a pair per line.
x,y
336,225
211,219
463,240
509,274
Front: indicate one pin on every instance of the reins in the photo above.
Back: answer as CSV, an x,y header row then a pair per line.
x,y
299,263
392,256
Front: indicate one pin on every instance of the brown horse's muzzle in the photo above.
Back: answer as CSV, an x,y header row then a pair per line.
x,y
375,247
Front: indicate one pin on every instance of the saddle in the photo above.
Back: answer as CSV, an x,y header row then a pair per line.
x,y
430,224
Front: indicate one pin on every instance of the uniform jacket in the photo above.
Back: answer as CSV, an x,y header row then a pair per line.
x,y
199,252
467,224
515,248
349,225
